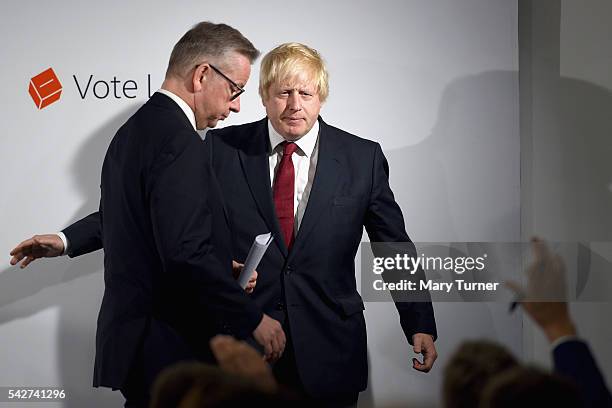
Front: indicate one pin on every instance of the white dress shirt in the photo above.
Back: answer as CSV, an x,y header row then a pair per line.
x,y
182,104
304,163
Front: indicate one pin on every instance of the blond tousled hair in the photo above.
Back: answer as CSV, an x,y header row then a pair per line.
x,y
290,61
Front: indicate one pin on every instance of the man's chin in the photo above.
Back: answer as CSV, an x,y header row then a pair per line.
x,y
293,133
212,123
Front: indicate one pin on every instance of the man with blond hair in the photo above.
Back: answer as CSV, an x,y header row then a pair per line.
x,y
314,187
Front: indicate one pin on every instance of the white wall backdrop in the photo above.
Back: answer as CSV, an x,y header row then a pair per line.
x,y
435,82
566,100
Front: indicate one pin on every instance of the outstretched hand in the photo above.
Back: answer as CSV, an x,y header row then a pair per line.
x,y
39,246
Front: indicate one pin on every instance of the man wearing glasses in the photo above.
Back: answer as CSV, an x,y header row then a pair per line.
x,y
162,223
237,90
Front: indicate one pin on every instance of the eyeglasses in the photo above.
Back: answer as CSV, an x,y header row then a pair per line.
x,y
238,89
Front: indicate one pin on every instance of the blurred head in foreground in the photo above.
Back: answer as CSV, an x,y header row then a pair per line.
x,y
527,387
469,369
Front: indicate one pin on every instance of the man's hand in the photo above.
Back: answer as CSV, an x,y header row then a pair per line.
x,y
39,246
237,268
237,357
271,336
424,344
544,297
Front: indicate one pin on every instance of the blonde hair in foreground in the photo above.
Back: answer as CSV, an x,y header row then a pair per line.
x,y
292,61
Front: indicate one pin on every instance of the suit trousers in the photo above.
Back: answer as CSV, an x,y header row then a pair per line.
x,y
287,374
162,347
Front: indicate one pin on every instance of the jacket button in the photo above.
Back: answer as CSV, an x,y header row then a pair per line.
x,y
289,270
280,306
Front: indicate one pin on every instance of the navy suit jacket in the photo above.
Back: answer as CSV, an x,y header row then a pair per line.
x,y
313,285
167,264
574,360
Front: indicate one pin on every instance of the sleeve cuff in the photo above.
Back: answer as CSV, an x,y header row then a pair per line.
x,y
64,240
563,339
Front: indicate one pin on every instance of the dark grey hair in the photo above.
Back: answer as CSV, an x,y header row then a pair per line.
x,y
207,40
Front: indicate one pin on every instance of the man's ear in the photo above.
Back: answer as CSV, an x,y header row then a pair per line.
x,y
199,77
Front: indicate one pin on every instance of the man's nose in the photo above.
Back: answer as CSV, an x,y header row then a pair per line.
x,y
294,101
235,105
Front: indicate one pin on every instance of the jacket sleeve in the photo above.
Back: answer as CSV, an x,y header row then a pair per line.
x,y
84,236
574,360
384,224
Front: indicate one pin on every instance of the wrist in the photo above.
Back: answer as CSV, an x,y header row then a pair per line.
x,y
424,334
558,330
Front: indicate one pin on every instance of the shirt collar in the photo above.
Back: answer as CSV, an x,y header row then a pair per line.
x,y
182,104
306,143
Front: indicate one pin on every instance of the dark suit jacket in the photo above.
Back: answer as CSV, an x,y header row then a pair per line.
x,y
574,360
167,265
313,285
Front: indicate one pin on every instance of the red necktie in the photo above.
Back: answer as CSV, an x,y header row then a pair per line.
x,y
283,190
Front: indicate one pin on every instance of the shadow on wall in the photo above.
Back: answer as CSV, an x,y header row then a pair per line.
x,y
585,145
74,286
455,175
446,182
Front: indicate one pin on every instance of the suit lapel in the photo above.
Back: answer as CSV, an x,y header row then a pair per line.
x,y
323,185
256,168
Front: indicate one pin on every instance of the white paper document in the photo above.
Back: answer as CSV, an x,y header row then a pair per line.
x,y
257,251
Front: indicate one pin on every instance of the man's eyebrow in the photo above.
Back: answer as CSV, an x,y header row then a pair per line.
x,y
299,88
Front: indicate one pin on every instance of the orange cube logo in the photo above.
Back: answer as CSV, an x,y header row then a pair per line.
x,y
45,88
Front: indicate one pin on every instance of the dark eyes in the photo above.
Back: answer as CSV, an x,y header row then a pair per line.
x,y
303,93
